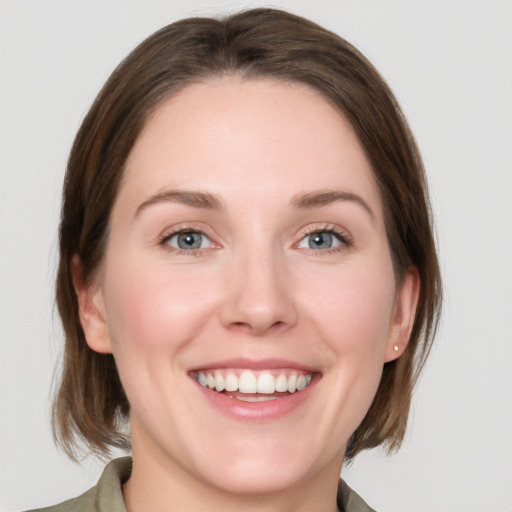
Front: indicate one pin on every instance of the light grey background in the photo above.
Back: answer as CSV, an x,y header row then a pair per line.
x,y
450,64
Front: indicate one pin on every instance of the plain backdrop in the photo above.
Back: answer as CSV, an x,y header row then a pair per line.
x,y
450,65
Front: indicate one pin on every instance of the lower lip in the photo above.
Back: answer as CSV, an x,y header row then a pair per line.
x,y
265,410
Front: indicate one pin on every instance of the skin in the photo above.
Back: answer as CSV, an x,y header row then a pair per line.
x,y
255,290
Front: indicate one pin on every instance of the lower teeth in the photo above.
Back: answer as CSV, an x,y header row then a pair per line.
x,y
255,398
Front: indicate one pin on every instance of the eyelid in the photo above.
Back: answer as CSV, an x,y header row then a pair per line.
x,y
341,234
187,227
205,239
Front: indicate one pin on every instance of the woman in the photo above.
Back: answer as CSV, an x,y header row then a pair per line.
x,y
247,270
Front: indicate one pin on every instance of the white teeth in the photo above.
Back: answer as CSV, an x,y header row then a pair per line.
x,y
264,383
201,378
247,382
219,382
230,383
281,383
256,398
292,384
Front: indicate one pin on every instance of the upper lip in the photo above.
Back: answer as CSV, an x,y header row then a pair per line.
x,y
255,364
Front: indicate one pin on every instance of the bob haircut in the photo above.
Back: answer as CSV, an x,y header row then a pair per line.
x,y
90,406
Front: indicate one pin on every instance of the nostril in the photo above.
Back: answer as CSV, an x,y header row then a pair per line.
x,y
256,312
240,327
257,329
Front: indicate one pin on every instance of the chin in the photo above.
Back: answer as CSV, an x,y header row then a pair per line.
x,y
256,478
246,467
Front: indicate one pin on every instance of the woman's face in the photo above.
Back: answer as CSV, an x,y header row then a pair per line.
x,y
247,251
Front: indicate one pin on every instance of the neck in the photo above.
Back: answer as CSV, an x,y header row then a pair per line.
x,y
159,484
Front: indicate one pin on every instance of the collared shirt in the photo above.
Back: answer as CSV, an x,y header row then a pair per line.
x,y
107,495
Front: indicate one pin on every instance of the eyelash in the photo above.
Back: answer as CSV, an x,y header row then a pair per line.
x,y
342,236
181,230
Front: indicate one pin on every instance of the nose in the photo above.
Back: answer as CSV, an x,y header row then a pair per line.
x,y
258,295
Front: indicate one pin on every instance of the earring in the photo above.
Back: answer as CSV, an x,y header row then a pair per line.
x,y
395,347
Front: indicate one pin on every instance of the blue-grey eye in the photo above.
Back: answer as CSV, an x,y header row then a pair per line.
x,y
189,241
320,240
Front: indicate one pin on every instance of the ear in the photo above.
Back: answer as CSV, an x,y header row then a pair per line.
x,y
91,308
403,314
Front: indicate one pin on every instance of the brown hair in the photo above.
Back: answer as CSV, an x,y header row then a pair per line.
x,y
91,405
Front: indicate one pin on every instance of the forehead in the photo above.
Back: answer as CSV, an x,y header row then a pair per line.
x,y
239,137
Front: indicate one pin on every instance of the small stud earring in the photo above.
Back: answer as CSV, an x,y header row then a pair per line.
x,y
395,347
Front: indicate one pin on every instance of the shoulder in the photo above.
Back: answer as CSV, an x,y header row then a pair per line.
x,y
83,503
106,496
350,501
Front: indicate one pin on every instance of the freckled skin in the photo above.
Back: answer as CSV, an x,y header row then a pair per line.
x,y
254,290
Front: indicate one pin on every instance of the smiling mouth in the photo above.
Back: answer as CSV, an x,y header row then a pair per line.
x,y
254,386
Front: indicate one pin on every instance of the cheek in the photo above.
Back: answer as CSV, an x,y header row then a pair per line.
x,y
353,309
354,320
151,308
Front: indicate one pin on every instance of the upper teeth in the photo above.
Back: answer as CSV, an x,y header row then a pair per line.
x,y
249,382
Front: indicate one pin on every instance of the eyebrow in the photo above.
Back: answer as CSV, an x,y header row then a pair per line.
x,y
325,197
208,201
195,199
